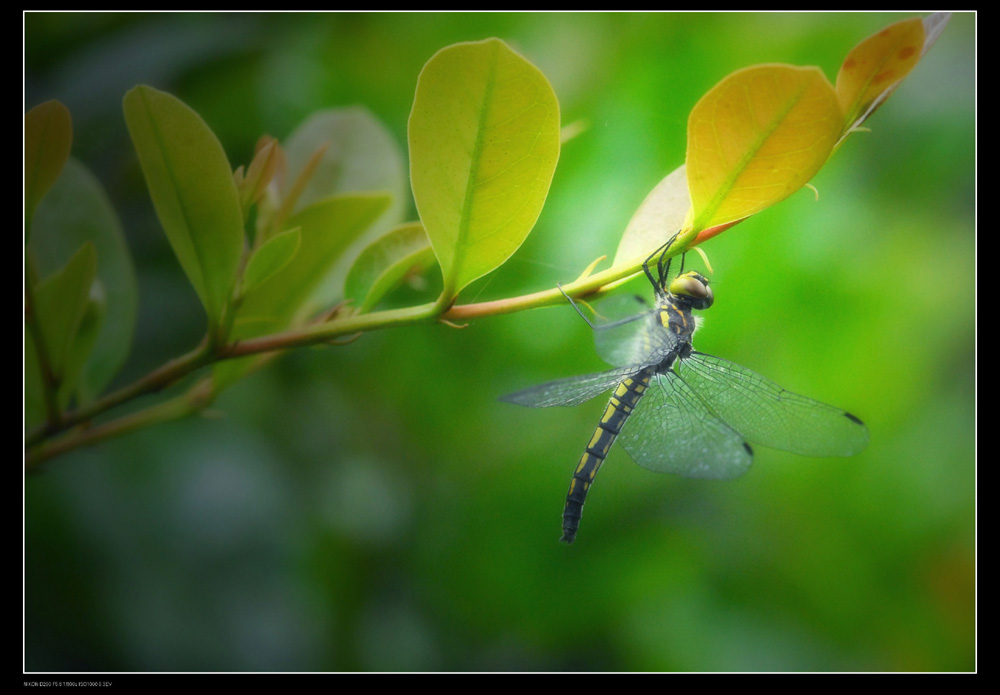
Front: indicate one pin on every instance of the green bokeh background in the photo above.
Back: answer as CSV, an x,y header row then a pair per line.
x,y
374,507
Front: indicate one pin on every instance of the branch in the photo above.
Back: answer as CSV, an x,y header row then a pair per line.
x,y
42,445
195,400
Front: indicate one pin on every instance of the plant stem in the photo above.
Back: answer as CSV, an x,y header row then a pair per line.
x,y
41,445
174,409
156,380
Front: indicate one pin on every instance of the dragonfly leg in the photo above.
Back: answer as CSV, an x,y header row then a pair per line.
x,y
662,271
573,304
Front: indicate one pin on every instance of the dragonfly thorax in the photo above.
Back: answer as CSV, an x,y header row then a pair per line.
x,y
673,315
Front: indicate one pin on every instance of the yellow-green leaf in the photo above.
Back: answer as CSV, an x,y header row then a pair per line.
x,y
191,184
756,138
359,154
273,255
48,138
875,66
327,228
484,142
384,263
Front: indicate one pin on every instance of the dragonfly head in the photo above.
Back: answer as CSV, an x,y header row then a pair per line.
x,y
692,288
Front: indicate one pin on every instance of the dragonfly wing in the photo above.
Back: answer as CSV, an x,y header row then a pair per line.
x,y
769,415
624,337
571,391
672,431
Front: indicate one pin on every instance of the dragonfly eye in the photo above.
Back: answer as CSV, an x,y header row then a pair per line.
x,y
693,286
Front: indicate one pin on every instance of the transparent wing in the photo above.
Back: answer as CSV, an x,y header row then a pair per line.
x,y
571,391
767,414
672,431
626,332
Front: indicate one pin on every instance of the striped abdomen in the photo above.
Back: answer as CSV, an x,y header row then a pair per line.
x,y
621,405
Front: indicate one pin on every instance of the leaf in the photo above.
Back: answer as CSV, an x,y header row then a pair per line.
x,y
875,66
934,24
273,255
259,174
359,155
191,184
484,142
82,347
48,138
76,211
661,214
756,138
384,264
60,303
34,398
327,229
68,321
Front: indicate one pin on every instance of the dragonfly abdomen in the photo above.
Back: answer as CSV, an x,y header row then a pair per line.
x,y
622,403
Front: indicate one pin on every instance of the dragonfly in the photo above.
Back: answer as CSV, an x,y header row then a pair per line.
x,y
676,410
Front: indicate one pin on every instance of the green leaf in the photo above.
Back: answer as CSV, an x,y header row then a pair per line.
x,y
327,229
484,142
360,155
82,347
386,262
191,184
60,304
76,211
757,137
34,400
339,151
48,138
273,255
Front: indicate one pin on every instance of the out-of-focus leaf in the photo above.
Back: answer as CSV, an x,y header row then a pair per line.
x,y
81,350
327,229
484,142
271,210
258,175
48,138
60,303
359,155
934,24
756,138
34,399
191,184
875,66
273,255
661,214
76,211
340,151
384,263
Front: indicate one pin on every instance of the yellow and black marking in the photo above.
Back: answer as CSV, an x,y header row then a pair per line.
x,y
621,405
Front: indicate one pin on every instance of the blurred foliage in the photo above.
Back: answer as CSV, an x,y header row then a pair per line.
x,y
373,507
